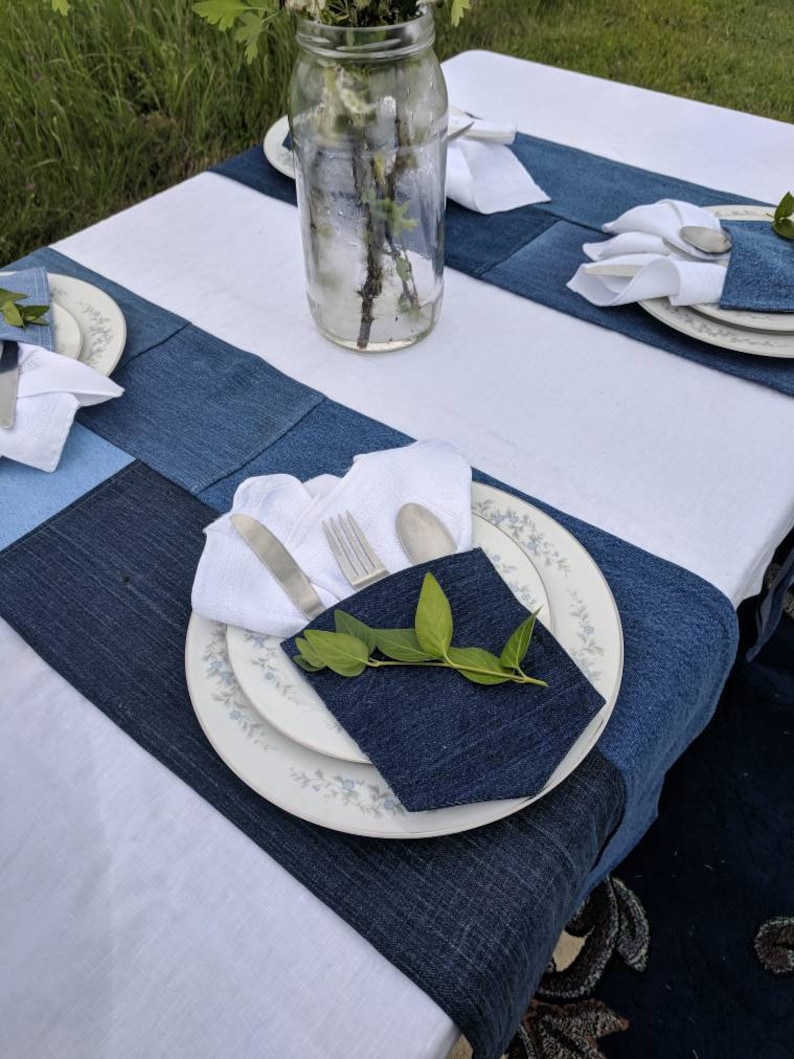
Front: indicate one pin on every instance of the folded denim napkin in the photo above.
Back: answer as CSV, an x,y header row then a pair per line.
x,y
32,282
232,585
641,243
760,273
51,389
436,738
484,175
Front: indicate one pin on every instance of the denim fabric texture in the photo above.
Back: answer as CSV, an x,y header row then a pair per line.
x,y
533,251
32,282
760,269
473,918
437,738
25,502
147,324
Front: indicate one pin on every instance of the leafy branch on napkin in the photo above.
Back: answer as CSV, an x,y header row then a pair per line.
x,y
17,315
351,649
783,222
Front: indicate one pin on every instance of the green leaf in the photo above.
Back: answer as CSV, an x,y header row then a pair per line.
x,y
220,13
433,619
353,627
401,645
308,652
12,315
344,654
478,658
300,661
785,207
249,32
11,295
61,6
784,228
458,9
514,651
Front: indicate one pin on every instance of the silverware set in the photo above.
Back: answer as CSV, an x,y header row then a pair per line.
x,y
9,382
422,535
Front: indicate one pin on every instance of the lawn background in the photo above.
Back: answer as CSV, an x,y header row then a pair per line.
x,y
126,97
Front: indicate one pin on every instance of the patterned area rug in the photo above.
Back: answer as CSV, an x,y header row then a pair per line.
x,y
690,953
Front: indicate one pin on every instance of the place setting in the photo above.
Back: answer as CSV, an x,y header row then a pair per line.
x,y
60,339
721,274
405,747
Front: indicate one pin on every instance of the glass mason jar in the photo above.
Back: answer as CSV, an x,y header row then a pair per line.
x,y
368,119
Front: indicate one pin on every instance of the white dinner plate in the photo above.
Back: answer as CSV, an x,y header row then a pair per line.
x,y
279,693
279,156
354,798
755,321
101,323
67,335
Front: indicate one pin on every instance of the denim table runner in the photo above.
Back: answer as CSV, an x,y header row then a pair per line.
x,y
471,918
533,251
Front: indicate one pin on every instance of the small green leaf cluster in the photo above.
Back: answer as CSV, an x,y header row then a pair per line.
x,y
783,222
355,646
17,315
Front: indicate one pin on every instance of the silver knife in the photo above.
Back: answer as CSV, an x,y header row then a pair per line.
x,y
272,554
9,382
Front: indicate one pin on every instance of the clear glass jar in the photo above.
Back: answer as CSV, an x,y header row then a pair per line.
x,y
368,119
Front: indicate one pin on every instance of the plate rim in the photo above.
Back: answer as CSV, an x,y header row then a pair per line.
x,y
274,149
108,363
499,809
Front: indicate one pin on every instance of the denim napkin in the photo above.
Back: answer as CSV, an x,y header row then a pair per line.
x,y
760,274
435,737
33,282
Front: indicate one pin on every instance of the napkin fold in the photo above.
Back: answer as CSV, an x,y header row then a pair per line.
x,y
435,737
484,175
32,282
51,389
646,241
233,586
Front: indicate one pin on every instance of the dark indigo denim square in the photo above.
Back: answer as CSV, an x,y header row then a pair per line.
x,y
437,738
195,408
251,168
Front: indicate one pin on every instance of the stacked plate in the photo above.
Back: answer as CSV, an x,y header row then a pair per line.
x,y
760,334
87,324
274,732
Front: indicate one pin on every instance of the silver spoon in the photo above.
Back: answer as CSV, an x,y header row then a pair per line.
x,y
707,240
422,535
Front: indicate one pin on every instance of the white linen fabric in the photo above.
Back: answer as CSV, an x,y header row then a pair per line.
x,y
234,587
647,244
483,175
136,920
51,389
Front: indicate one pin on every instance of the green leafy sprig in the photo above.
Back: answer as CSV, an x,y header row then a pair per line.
x,y
355,646
20,315
783,222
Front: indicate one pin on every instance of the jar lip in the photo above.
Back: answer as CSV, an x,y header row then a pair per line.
x,y
367,43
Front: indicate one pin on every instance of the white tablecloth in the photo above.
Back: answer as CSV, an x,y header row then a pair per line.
x,y
134,919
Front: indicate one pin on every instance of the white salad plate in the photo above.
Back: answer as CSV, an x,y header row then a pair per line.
x,y
67,335
353,797
100,322
275,689
279,156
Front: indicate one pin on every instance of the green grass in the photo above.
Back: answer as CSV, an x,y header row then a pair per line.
x,y
126,97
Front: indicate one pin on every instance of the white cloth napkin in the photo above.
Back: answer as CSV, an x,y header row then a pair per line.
x,y
483,175
232,585
641,243
51,389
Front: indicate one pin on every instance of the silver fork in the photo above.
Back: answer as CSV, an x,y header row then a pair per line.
x,y
353,552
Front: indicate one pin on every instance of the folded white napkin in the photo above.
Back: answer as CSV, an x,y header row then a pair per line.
x,y
483,175
647,244
51,389
232,585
